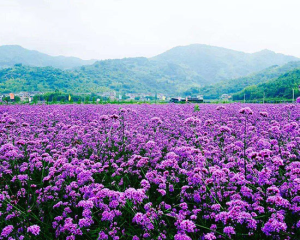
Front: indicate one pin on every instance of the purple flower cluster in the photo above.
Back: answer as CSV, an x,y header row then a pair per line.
x,y
34,229
150,172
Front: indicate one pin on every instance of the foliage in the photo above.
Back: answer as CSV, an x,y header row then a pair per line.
x,y
7,99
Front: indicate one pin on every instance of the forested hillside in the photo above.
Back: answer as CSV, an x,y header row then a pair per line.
x,y
126,75
281,87
232,86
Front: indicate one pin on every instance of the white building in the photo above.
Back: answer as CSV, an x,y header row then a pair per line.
x,y
225,97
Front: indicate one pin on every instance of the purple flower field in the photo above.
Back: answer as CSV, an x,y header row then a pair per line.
x,y
150,172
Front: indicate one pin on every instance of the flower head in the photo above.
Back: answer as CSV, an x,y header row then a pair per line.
x,y
34,229
246,110
7,230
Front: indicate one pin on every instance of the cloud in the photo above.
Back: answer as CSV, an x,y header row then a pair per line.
x,y
104,29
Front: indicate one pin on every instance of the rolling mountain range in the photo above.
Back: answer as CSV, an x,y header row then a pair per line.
x,y
215,63
190,69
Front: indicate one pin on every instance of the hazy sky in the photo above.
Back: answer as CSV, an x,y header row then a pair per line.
x,y
104,29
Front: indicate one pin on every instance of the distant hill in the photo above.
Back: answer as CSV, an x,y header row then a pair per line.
x,y
231,86
280,87
14,54
128,75
216,64
133,74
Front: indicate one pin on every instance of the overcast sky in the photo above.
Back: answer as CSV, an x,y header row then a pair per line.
x,y
103,29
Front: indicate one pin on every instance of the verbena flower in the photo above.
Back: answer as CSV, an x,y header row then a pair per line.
x,y
246,110
34,229
149,171
7,230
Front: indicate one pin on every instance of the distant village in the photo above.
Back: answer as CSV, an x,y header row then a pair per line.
x,y
24,96
114,96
